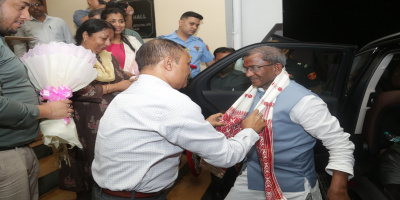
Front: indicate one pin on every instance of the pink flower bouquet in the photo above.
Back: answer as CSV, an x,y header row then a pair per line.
x,y
57,69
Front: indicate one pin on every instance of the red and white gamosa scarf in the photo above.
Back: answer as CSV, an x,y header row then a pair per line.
x,y
238,112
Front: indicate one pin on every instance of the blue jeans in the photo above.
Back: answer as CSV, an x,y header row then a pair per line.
x,y
97,194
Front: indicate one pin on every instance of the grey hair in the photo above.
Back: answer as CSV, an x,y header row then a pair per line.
x,y
268,53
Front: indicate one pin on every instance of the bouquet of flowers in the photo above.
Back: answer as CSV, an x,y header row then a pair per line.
x,y
57,69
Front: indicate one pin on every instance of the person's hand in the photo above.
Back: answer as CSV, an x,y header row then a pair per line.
x,y
56,109
255,121
129,10
123,85
215,120
337,194
338,188
217,171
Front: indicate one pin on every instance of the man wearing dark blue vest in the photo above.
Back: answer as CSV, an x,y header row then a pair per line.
x,y
298,119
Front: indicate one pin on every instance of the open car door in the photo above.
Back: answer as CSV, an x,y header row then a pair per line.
x,y
323,68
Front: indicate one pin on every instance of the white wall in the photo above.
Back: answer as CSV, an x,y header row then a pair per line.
x,y
212,28
258,17
65,10
167,13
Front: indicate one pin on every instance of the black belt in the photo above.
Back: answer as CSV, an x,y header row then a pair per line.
x,y
9,148
126,194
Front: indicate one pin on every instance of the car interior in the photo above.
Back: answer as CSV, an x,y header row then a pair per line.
x,y
323,61
382,123
375,111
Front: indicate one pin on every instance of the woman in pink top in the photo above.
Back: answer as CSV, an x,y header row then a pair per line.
x,y
123,47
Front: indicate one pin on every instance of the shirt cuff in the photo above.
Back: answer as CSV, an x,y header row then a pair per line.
x,y
33,111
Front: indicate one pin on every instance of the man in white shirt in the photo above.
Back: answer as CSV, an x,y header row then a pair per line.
x,y
43,28
298,119
145,129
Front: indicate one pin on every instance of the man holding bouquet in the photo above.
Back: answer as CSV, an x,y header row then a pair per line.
x,y
19,112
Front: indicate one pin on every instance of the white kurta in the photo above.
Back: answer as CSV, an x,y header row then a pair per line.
x,y
312,114
144,131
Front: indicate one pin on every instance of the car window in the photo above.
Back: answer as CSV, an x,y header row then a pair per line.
x,y
329,64
383,103
358,62
390,79
230,78
364,90
314,69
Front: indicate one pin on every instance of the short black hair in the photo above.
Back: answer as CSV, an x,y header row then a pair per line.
x,y
91,26
117,4
153,51
223,50
41,2
95,12
112,10
191,14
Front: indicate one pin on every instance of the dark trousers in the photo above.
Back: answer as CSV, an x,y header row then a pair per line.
x,y
220,187
97,194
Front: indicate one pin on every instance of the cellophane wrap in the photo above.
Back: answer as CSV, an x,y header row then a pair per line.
x,y
59,65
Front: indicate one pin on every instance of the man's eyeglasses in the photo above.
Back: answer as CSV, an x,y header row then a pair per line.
x,y
254,68
35,5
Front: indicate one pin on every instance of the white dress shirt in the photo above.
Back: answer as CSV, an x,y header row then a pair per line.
x,y
313,115
52,29
143,132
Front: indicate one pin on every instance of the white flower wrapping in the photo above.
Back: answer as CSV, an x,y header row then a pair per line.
x,y
59,65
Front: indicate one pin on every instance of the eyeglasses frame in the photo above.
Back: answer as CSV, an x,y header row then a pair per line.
x,y
255,68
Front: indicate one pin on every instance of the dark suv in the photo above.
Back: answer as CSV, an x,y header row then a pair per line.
x,y
359,88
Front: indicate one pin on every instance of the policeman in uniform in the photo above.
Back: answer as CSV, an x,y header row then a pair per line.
x,y
198,50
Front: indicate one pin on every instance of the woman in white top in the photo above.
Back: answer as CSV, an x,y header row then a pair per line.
x,y
123,47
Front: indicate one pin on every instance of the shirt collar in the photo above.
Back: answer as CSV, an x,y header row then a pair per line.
x,y
34,19
155,79
176,36
261,90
